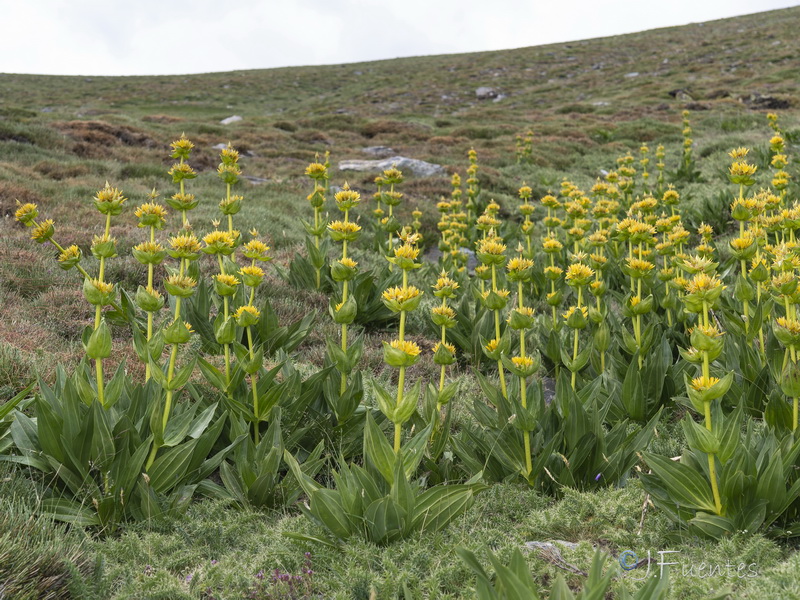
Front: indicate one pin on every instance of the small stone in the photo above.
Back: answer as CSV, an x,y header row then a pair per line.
x,y
231,119
632,74
378,151
255,180
486,93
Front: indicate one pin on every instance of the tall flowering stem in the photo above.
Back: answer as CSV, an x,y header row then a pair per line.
x,y
787,328
151,216
743,247
180,172
401,353
248,315
444,317
318,173
703,290
520,271
392,198
598,289
687,141
221,244
229,171
378,211
491,252
109,202
578,276
99,293
660,154
553,273
186,248
344,270
639,269
473,187
526,209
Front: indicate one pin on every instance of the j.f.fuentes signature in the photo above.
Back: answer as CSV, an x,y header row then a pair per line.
x,y
629,560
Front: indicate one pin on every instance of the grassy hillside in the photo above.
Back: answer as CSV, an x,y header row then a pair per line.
x,y
62,137
587,102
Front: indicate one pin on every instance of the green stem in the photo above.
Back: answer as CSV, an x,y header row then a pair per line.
x,y
398,427
254,386
497,335
712,471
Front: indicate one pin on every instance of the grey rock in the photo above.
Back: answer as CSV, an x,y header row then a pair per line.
x,y
378,151
632,74
420,168
47,109
486,93
434,254
600,103
231,119
255,180
551,545
219,146
500,97
548,389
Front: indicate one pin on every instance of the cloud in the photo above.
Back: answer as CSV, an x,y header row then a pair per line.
x,y
160,37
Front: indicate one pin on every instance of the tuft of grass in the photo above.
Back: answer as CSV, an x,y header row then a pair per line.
x,y
41,559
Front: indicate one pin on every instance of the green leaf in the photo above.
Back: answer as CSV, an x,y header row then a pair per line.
x,y
102,442
212,374
326,506
233,482
178,426
115,387
169,469
183,375
200,424
713,526
633,398
686,486
9,405
439,505
414,450
385,520
698,437
377,449
70,511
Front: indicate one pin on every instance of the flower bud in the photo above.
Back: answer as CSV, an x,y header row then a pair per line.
x,y
180,285
26,213
246,316
444,354
345,312
149,299
98,346
177,333
231,206
225,330
70,257
252,276
149,253
43,232
109,200
400,353
98,293
521,318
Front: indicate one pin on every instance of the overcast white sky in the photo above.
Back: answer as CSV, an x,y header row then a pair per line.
x,y
149,37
